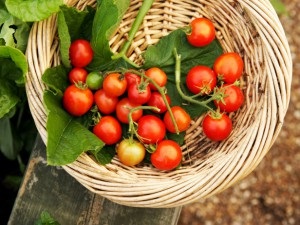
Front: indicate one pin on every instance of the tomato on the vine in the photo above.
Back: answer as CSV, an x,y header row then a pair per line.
x,y
167,156
123,109
108,129
94,80
115,84
229,67
158,76
130,152
139,93
156,100
80,53
182,119
202,32
77,100
217,127
151,129
106,104
77,75
201,79
232,100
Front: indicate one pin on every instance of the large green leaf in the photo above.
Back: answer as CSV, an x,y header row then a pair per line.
x,y
106,21
71,23
34,10
19,60
13,31
12,78
162,54
8,97
67,138
56,78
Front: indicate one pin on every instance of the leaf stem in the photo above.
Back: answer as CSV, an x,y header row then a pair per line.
x,y
146,5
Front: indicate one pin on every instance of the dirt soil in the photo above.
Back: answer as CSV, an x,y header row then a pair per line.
x,y
270,195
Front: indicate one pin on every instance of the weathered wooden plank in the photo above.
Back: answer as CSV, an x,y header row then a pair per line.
x,y
53,190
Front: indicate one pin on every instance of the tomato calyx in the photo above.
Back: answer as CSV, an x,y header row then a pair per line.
x,y
220,92
215,114
96,115
81,85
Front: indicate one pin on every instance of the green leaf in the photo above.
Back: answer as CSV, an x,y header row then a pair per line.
x,y
71,22
190,56
67,138
20,62
106,21
21,34
279,6
46,219
4,15
8,97
56,78
6,139
34,10
179,138
11,81
13,32
104,155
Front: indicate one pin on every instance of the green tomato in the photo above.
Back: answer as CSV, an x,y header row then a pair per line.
x,y
94,80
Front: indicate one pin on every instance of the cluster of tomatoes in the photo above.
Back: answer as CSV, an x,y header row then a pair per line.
x,y
220,82
138,100
133,99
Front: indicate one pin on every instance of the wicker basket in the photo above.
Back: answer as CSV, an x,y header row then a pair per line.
x,y
249,27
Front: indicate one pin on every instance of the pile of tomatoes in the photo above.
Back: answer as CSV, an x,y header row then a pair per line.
x,y
138,100
132,99
220,83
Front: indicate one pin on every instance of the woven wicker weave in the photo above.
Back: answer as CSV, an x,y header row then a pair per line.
x,y
249,27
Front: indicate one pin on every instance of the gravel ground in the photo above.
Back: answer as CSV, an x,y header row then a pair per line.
x,y
270,195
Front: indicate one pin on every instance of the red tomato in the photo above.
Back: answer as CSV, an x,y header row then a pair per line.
x,y
233,99
167,155
108,129
132,78
158,76
202,32
80,53
229,67
156,100
217,128
130,152
139,93
182,119
151,129
114,84
201,79
106,104
123,108
77,75
77,101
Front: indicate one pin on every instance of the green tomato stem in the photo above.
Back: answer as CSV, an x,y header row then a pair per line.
x,y
146,5
132,129
161,90
177,81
